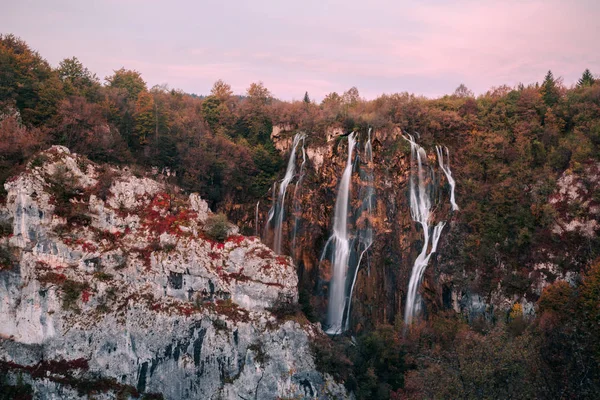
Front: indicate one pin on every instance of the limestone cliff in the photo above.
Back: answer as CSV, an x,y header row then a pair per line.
x,y
109,286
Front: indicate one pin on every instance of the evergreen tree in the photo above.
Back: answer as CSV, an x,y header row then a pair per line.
x,y
306,98
587,79
549,90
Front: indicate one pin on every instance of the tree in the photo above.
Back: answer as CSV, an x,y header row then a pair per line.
x,y
463,92
351,97
306,98
28,81
549,90
145,118
130,80
210,111
76,78
221,90
587,79
258,93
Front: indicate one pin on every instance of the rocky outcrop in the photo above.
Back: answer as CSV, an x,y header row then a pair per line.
x,y
111,285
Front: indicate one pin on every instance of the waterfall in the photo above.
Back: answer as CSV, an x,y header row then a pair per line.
x,y
420,186
445,167
256,219
341,249
365,235
296,202
278,208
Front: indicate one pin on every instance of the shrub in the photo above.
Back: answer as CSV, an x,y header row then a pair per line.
x,y
71,292
284,307
217,227
260,355
7,258
64,186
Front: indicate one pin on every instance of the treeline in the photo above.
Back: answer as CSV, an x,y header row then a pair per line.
x,y
220,145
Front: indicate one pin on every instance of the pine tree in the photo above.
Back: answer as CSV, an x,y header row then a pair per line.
x,y
306,98
549,90
587,79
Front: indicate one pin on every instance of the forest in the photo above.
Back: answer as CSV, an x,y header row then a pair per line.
x,y
512,144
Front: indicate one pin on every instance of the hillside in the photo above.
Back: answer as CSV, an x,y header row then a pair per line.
x,y
449,246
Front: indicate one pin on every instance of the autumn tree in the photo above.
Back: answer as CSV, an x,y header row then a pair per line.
x,y
258,94
129,80
463,92
351,97
587,79
221,90
28,81
331,104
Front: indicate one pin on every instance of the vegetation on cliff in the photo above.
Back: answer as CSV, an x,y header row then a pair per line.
x,y
513,145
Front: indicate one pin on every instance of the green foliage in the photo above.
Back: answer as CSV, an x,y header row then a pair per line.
x,y
28,81
549,90
210,111
145,117
77,79
217,227
587,79
71,291
20,390
64,186
7,257
260,355
306,98
129,80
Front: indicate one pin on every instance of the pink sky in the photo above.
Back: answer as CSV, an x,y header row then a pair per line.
x,y
426,47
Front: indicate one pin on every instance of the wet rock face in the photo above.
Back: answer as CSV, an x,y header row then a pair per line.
x,y
115,288
449,281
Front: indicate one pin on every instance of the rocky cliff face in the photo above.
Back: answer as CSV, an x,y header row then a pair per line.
x,y
110,286
449,282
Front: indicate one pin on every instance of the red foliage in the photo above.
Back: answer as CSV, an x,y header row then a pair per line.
x,y
159,218
237,239
282,260
88,247
85,296
53,278
214,256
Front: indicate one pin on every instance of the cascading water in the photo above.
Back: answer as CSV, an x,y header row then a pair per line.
x,y
296,202
421,181
341,249
278,208
445,167
256,228
365,234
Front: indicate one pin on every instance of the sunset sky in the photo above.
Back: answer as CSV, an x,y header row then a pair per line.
x,y
426,47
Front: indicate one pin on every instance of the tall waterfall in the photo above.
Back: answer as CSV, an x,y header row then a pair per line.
x,y
365,234
295,202
278,209
256,228
445,167
341,249
421,184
